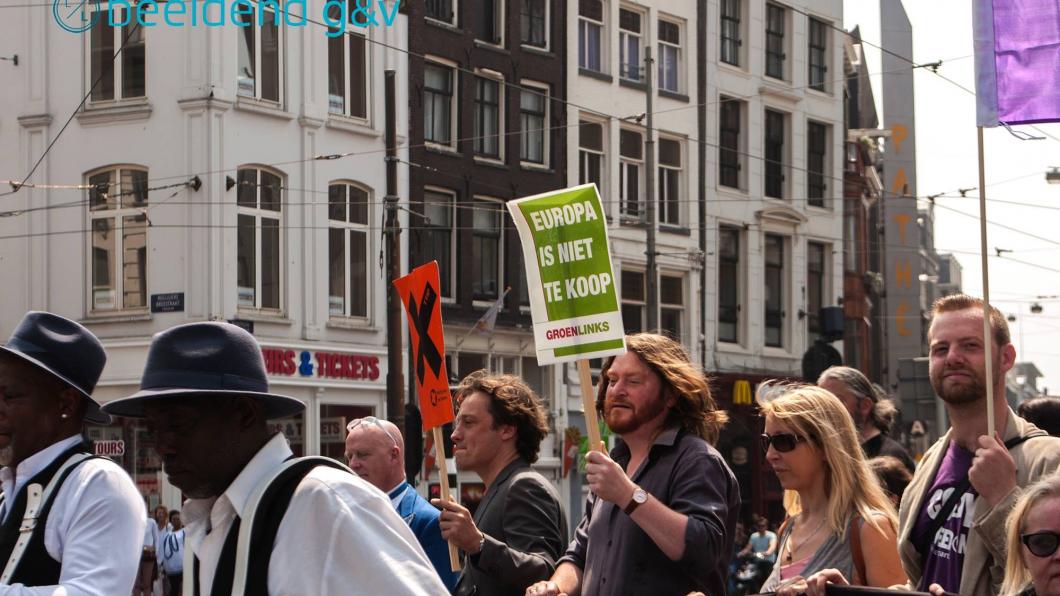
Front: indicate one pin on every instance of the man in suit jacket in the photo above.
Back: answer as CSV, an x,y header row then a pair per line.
x,y
375,450
519,528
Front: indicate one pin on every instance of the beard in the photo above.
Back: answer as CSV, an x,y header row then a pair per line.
x,y
7,455
966,391
637,418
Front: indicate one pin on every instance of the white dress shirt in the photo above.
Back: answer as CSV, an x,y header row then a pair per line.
x,y
95,528
340,535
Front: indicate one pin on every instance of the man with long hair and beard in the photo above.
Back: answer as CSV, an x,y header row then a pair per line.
x,y
952,517
663,508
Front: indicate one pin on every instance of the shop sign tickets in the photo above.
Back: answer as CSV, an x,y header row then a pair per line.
x,y
569,275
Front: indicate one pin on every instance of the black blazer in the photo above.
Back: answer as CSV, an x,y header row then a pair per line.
x,y
526,532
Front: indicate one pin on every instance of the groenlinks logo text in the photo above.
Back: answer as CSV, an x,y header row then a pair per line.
x,y
78,16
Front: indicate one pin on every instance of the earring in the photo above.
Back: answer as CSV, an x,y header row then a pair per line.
x,y
63,416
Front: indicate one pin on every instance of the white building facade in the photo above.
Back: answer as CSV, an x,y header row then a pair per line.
x,y
189,187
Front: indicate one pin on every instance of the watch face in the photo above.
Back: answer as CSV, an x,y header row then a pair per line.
x,y
640,496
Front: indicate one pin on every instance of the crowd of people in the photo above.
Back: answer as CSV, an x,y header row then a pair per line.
x,y
977,515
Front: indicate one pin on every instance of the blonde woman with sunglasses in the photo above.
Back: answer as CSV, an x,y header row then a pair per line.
x,y
1033,566
839,520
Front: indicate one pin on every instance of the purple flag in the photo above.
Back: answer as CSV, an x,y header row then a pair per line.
x,y
1017,61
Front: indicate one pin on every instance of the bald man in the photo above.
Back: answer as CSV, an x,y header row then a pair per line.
x,y
376,452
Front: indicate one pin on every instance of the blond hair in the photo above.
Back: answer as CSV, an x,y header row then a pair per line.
x,y
821,419
694,407
1017,576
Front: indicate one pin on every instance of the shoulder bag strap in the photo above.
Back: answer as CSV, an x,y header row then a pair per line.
x,y
854,538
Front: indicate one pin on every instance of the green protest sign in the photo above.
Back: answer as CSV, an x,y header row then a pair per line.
x,y
569,275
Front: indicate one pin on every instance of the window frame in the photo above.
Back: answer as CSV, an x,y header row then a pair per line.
x,y
451,229
735,44
545,20
678,58
730,157
118,216
281,46
624,36
346,39
584,153
585,22
775,147
776,65
545,90
817,55
730,313
454,9
118,71
817,180
259,214
454,100
672,307
640,303
674,215
483,75
625,163
498,237
349,227
813,316
780,270
498,25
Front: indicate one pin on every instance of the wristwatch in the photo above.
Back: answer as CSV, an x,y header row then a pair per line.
x,y
639,498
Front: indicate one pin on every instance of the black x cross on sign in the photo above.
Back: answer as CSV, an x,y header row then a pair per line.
x,y
427,351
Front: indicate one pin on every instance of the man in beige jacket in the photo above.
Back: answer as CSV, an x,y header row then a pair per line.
x,y
959,546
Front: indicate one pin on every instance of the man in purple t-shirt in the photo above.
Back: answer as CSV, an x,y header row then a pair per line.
x,y
945,553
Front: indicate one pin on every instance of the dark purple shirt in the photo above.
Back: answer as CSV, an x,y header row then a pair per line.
x,y
945,556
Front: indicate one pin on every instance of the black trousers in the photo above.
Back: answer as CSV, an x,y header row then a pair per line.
x,y
176,583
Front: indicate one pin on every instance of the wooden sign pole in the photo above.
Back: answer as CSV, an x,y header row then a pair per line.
x,y
443,475
592,421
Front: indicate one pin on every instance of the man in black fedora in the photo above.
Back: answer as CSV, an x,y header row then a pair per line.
x,y
83,517
259,521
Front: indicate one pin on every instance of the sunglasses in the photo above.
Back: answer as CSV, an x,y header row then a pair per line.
x,y
782,442
1041,544
370,420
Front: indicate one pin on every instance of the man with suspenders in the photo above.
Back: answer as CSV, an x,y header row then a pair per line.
x,y
258,520
71,522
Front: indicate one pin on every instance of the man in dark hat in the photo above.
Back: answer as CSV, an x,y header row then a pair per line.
x,y
259,521
87,517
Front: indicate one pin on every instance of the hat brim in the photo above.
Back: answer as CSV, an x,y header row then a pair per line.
x,y
93,411
276,406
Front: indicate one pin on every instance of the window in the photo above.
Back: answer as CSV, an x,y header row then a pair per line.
x,y
347,71
818,54
669,56
775,41
729,285
633,302
348,278
816,162
489,22
259,53
117,199
258,250
488,119
486,248
729,142
533,119
123,78
439,239
669,181
671,305
815,277
590,153
629,44
774,162
438,104
441,10
590,34
630,182
730,32
533,23
774,274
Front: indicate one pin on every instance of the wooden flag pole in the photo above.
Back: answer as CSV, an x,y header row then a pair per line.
x,y
592,422
988,341
443,475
